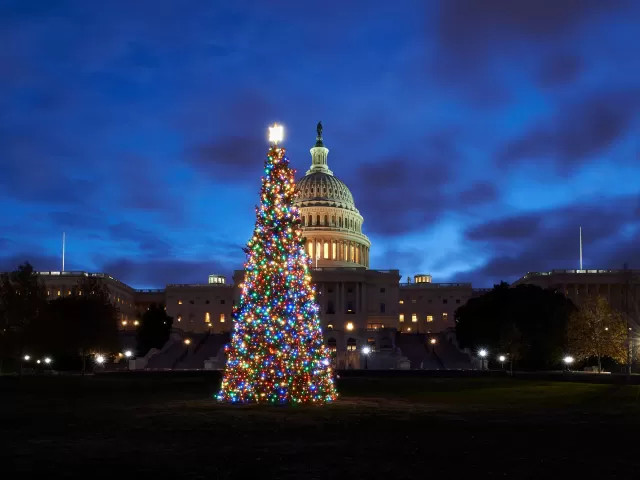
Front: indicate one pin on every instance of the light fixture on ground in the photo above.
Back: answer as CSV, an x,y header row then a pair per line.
x,y
502,358
128,354
37,361
47,360
483,353
568,360
366,350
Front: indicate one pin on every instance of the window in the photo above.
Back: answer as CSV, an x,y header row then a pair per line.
x,y
445,316
330,326
414,317
69,292
330,308
191,302
401,317
302,220
179,302
374,326
382,308
371,343
413,300
333,220
340,222
221,302
222,318
349,290
352,345
326,250
382,290
334,248
179,318
429,301
401,302
457,300
349,307
207,302
429,318
332,344
330,290
326,219
311,249
444,301
317,219
207,318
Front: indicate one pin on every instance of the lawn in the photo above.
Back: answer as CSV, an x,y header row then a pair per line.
x,y
169,427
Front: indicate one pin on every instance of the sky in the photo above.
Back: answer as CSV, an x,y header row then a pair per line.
x,y
476,137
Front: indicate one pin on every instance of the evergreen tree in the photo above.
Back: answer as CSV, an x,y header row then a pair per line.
x,y
277,354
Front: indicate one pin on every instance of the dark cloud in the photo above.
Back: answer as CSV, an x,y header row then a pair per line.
x,y
158,273
549,240
478,193
577,132
146,243
560,69
231,159
514,228
42,263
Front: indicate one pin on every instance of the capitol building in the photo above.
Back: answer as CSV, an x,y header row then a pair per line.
x,y
406,325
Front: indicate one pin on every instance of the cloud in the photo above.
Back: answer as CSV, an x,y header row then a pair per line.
x,y
478,193
146,243
560,69
549,240
42,263
159,272
577,133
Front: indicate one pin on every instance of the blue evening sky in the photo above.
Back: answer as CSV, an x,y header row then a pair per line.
x,y
476,136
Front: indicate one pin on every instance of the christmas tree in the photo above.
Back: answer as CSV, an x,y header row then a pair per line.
x,y
277,354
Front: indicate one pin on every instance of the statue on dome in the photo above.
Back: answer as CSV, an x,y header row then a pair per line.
x,y
319,129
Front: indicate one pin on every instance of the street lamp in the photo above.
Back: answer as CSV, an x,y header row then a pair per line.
x,y
482,353
128,353
568,360
433,341
99,359
366,351
27,358
502,358
187,341
47,360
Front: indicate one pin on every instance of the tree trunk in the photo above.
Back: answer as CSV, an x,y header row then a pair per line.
x,y
599,364
84,361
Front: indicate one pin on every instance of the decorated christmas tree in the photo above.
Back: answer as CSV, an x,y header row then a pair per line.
x,y
277,354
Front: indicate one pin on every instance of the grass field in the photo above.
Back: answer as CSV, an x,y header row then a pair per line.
x,y
169,427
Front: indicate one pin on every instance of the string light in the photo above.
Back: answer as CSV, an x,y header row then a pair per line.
x,y
277,354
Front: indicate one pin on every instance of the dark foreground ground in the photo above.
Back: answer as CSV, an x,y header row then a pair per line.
x,y
169,427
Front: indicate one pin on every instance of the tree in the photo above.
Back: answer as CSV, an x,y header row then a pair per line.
x,y
23,297
154,329
528,320
277,354
597,330
82,324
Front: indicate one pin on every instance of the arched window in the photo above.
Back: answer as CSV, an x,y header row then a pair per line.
x,y
326,251
352,223
303,221
333,220
330,308
310,220
332,344
340,222
351,345
326,219
371,343
317,219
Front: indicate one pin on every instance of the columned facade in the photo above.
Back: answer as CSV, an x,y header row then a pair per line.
x,y
331,223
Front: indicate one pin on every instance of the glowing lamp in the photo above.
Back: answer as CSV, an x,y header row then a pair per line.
x,y
47,360
187,341
502,358
27,358
99,359
568,360
350,326
482,353
276,133
366,350
128,353
433,341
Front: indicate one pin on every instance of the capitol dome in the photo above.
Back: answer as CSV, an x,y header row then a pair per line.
x,y
331,223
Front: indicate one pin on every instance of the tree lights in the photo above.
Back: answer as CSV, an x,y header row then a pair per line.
x,y
277,354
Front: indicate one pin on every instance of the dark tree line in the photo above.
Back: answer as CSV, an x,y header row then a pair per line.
x,y
78,326
528,324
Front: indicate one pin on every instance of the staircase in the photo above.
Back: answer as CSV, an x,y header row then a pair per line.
x,y
415,347
166,358
451,357
207,347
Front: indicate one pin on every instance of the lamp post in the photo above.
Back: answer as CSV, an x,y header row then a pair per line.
x,y
568,360
366,351
502,358
482,353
